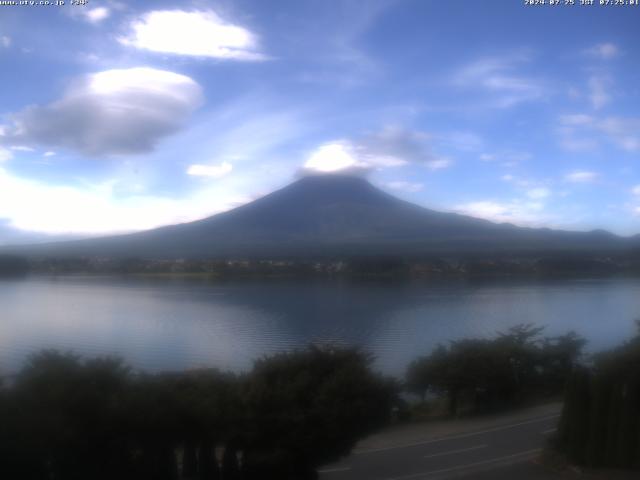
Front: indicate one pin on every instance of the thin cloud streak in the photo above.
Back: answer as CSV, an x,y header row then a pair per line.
x,y
500,78
603,51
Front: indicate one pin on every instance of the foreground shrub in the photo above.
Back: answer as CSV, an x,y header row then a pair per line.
x,y
600,424
68,418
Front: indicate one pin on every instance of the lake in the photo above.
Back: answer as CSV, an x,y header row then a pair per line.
x,y
173,324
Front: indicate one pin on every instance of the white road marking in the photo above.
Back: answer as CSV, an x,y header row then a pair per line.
x,y
333,470
468,465
455,437
451,452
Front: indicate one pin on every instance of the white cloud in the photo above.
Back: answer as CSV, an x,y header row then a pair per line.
x,y
604,51
111,112
439,164
22,148
623,132
5,154
531,188
514,211
49,153
99,209
507,158
636,190
513,157
213,171
96,15
405,186
581,176
498,76
390,147
599,91
89,57
485,209
576,119
395,146
14,236
195,33
577,131
538,193
334,157
5,41
574,144
573,132
464,141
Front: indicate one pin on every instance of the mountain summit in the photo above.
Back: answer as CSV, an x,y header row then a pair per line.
x,y
332,215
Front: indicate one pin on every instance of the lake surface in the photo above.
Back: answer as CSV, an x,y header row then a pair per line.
x,y
171,324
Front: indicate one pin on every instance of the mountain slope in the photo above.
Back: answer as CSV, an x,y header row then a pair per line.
x,y
332,215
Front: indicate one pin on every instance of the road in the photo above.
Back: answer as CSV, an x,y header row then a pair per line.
x,y
465,449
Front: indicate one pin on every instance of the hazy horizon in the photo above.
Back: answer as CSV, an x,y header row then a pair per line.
x,y
17,237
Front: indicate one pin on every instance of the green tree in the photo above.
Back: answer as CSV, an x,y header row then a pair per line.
x,y
427,374
307,408
491,374
600,423
67,411
559,356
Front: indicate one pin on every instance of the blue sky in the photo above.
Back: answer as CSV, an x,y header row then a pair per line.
x,y
121,116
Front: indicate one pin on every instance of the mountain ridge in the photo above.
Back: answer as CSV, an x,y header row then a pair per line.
x,y
332,215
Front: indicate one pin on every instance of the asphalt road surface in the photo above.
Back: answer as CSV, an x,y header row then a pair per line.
x,y
491,448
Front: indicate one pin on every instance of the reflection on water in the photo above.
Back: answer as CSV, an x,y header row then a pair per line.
x,y
176,324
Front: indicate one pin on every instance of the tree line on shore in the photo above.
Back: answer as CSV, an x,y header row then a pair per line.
x,y
396,267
